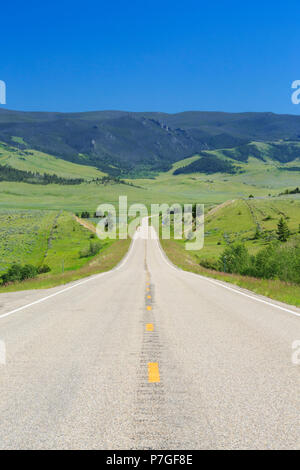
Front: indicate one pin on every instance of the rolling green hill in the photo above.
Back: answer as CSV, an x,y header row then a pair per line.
x,y
248,227
208,164
42,238
260,180
282,155
34,161
249,216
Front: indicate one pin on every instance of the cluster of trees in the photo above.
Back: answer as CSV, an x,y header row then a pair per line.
x,y
109,179
289,168
54,179
84,215
88,215
290,191
8,173
275,261
17,272
282,232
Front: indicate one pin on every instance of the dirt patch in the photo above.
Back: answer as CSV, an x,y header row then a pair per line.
x,y
220,206
85,224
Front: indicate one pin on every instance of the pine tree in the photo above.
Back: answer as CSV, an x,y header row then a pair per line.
x,y
283,232
257,233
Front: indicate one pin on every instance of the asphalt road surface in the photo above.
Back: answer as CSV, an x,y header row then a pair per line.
x,y
148,357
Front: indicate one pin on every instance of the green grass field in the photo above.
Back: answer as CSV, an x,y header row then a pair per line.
x,y
52,238
107,259
43,237
165,188
32,160
23,236
259,178
237,220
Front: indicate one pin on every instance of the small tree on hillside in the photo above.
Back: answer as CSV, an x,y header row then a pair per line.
x,y
283,232
257,233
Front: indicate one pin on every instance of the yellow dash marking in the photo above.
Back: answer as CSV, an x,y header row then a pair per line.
x,y
148,290
148,296
149,327
149,307
153,372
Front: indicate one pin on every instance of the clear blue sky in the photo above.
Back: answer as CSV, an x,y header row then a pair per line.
x,y
150,55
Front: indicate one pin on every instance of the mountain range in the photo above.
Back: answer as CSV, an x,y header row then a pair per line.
x,y
128,143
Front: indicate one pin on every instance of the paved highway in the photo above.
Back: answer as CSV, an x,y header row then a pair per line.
x,y
148,357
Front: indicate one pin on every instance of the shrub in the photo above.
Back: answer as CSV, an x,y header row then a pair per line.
x,y
92,250
28,272
276,261
44,269
209,264
266,263
18,272
13,274
95,247
235,259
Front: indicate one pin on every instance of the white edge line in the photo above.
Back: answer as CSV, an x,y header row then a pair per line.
x,y
213,281
91,278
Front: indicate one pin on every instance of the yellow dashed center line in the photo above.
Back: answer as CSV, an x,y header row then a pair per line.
x,y
153,369
153,372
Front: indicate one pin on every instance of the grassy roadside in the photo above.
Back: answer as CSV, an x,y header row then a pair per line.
x,y
109,257
275,289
